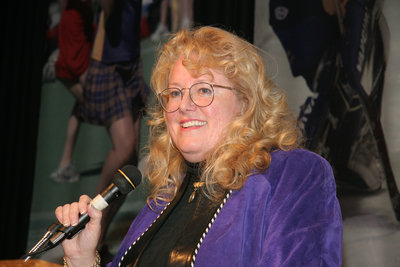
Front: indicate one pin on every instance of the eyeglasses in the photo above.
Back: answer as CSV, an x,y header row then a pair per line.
x,y
201,94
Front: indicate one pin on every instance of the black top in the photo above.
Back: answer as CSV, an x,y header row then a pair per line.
x,y
172,240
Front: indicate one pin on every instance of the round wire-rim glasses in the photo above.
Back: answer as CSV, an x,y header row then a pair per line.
x,y
201,94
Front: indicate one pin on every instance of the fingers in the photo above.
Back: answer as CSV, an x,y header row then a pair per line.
x,y
58,213
69,213
83,204
86,241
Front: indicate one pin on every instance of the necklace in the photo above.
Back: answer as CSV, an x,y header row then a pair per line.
x,y
196,186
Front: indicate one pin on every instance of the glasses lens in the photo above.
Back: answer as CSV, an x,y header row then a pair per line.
x,y
202,94
170,99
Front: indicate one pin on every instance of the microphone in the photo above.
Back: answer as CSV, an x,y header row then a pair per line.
x,y
125,180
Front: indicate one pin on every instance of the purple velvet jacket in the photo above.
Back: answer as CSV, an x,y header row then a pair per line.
x,y
287,216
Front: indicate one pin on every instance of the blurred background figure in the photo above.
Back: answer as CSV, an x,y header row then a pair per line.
x,y
115,92
186,13
173,16
55,10
111,93
162,27
75,34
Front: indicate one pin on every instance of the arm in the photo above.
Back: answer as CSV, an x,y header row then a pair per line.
x,y
80,250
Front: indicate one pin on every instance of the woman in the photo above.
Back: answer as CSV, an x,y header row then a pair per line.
x,y
229,186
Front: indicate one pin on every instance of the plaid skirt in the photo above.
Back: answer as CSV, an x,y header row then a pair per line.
x,y
111,92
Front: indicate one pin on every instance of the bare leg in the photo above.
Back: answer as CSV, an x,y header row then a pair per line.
x,y
174,15
72,128
162,27
186,14
72,132
67,171
77,91
163,12
124,135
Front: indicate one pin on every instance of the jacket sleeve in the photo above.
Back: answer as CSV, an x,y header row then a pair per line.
x,y
304,219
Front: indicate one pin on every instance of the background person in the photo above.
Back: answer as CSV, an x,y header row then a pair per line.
x,y
75,40
115,92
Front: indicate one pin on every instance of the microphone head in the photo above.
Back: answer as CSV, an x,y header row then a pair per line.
x,y
127,178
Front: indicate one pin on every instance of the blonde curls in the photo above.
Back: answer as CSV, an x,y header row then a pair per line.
x,y
265,123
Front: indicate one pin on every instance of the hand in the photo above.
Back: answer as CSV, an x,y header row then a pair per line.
x,y
80,250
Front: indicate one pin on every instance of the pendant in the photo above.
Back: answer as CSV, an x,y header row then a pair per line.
x,y
192,195
196,186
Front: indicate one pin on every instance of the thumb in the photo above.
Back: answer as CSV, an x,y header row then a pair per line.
x,y
95,215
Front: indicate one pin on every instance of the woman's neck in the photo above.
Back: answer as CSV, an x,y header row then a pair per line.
x,y
193,170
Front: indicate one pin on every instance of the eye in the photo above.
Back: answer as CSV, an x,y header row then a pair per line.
x,y
204,91
174,93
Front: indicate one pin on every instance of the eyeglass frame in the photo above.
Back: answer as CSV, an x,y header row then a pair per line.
x,y
212,85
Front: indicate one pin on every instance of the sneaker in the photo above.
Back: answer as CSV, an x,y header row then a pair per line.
x,y
68,173
159,33
186,23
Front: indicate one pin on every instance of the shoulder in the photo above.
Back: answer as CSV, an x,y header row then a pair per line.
x,y
300,162
296,180
297,157
296,168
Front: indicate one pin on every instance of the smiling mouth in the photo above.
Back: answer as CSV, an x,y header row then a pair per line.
x,y
193,124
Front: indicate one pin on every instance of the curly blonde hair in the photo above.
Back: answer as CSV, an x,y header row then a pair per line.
x,y
265,124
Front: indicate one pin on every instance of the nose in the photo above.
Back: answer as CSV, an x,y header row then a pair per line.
x,y
186,103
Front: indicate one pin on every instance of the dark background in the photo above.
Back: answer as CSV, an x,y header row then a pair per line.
x,y
22,56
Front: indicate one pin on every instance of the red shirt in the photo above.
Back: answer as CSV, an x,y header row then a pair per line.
x,y
74,47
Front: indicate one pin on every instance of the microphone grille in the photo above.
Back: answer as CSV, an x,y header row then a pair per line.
x,y
127,178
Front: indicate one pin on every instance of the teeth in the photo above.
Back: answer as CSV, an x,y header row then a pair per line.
x,y
193,124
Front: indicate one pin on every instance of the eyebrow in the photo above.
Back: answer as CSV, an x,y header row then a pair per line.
x,y
177,85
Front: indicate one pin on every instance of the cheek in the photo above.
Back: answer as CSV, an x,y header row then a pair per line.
x,y
220,124
169,118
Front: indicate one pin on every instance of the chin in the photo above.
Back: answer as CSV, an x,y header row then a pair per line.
x,y
193,157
